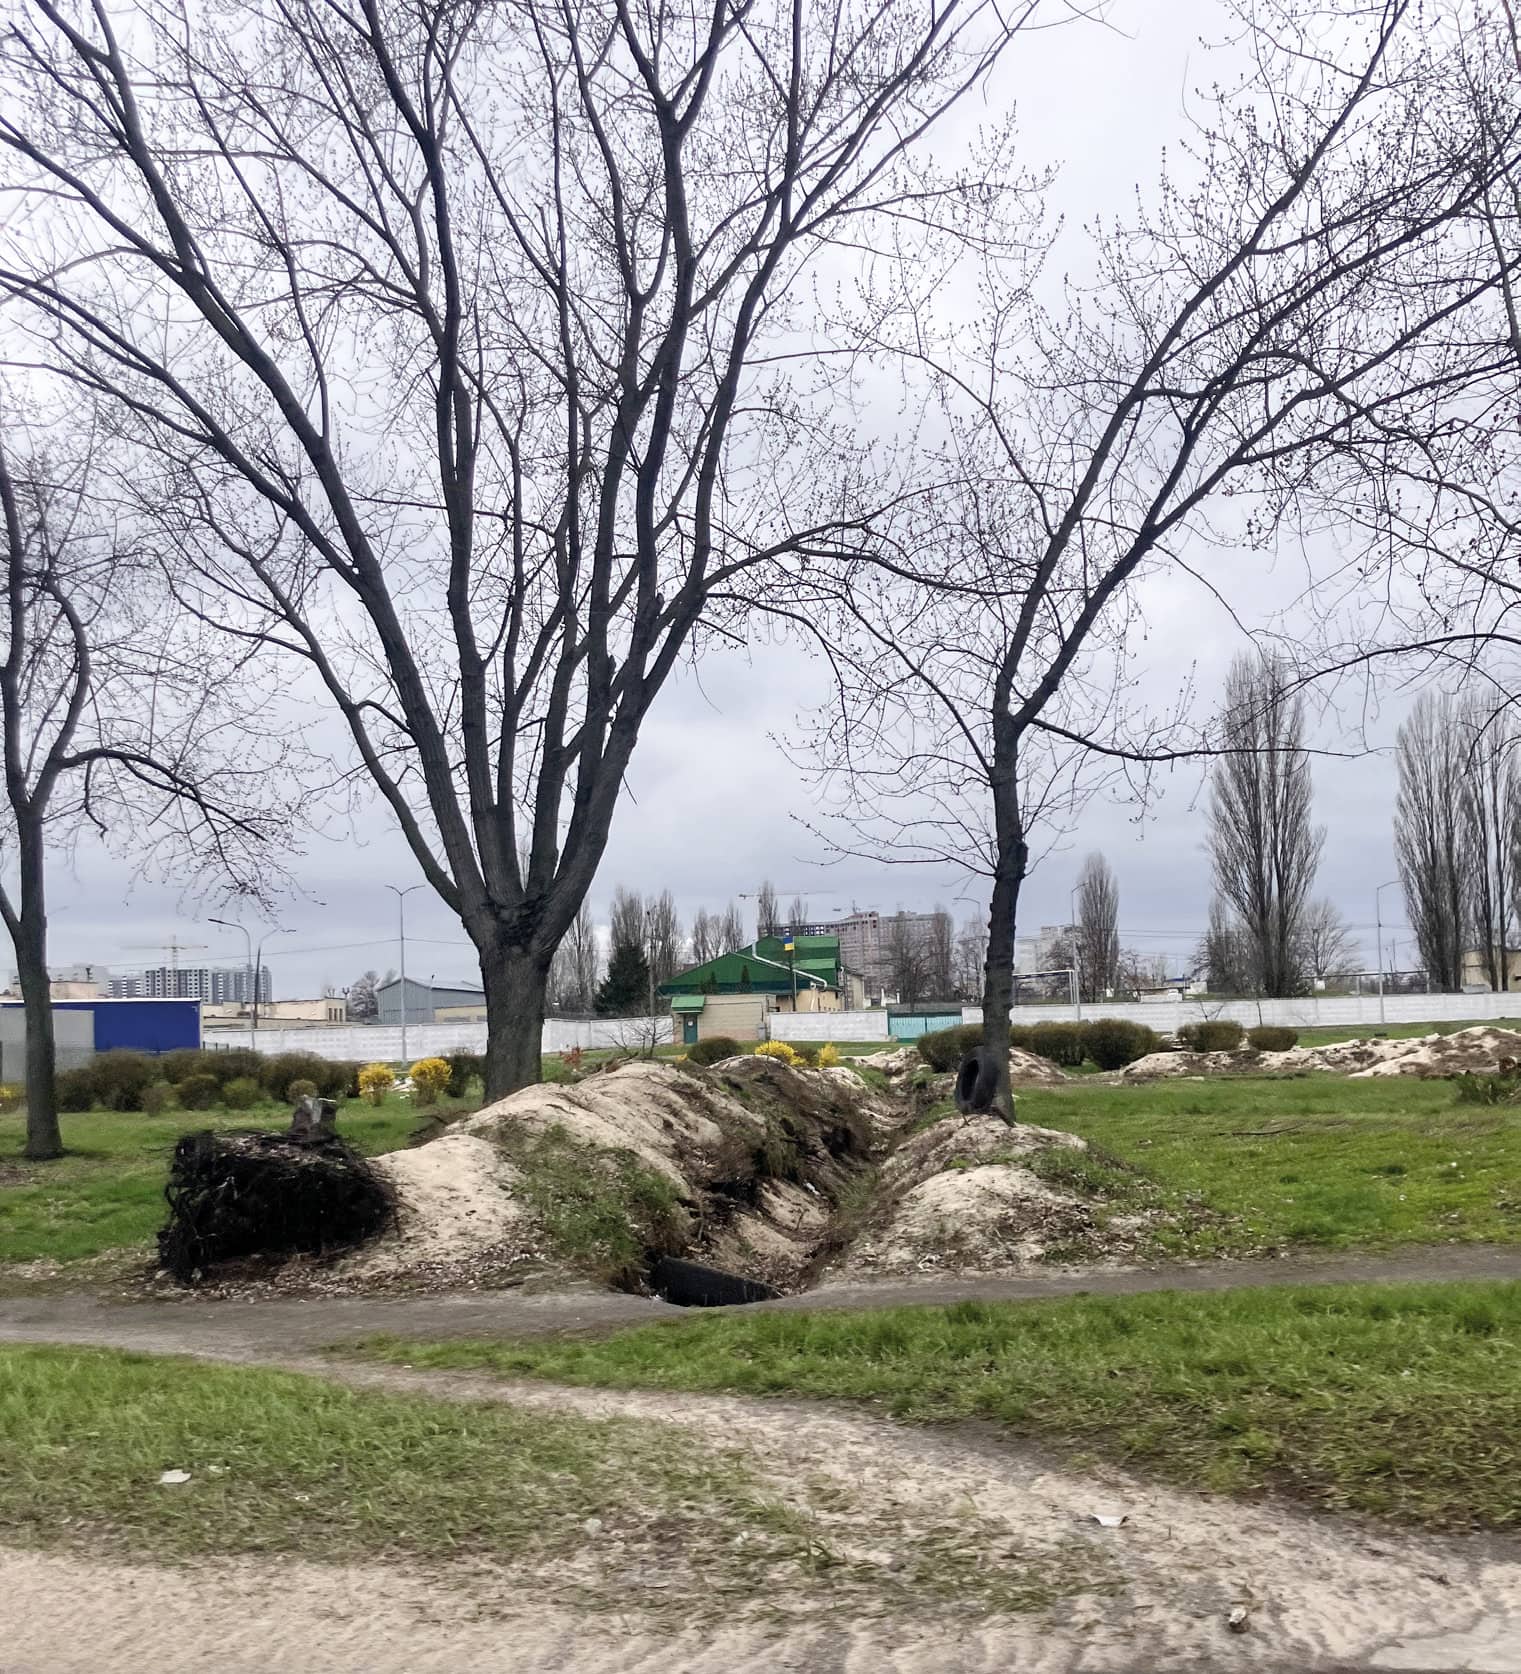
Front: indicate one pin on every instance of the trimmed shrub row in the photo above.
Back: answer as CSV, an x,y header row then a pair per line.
x,y
1111,1043
238,1079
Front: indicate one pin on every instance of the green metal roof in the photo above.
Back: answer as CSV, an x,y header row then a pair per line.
x,y
688,1002
763,968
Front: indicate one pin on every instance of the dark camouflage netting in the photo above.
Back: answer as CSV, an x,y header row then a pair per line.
x,y
236,1196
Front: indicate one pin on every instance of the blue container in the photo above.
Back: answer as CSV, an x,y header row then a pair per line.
x,y
141,1025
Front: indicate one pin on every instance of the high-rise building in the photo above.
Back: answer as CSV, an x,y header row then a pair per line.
x,y
216,985
869,943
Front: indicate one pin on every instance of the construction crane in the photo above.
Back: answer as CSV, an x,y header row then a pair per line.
x,y
174,947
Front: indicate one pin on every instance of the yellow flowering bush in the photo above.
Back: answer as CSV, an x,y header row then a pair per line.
x,y
429,1078
829,1055
10,1097
375,1081
776,1049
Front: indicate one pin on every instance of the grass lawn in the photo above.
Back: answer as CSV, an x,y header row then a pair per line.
x,y
286,1463
1400,1400
277,1459
1252,1164
108,1192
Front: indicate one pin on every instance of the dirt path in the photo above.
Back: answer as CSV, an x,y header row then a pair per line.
x,y
1323,1595
242,1329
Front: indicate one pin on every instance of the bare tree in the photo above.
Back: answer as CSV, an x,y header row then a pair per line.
x,y
1428,835
908,959
363,1003
971,948
1322,287
731,929
797,913
1227,957
111,722
1263,846
1328,944
1098,932
449,336
663,936
768,912
576,968
940,955
1489,806
705,937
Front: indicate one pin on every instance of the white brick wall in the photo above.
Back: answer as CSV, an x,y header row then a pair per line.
x,y
1337,1011
828,1025
374,1043
369,1043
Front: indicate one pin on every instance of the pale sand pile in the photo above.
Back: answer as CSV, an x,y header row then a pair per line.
x,y
956,1198
1482,1049
455,1203
458,1205
1026,1067
1321,1593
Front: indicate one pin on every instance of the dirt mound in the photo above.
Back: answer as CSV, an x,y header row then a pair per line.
x,y
1026,1067
1482,1049
739,1165
1031,1067
964,1196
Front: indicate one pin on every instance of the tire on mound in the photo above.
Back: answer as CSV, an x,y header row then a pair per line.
x,y
233,1197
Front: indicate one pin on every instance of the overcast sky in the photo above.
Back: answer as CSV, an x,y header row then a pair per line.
x,y
713,805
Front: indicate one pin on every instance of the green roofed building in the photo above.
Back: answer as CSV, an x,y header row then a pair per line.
x,y
761,977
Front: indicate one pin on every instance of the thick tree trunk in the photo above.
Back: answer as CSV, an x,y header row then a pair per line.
x,y
516,982
43,1139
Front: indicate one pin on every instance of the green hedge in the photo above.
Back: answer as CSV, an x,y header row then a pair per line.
x,y
1112,1042
1218,1034
1269,1038
713,1050
943,1049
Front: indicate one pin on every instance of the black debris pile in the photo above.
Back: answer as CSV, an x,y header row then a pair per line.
x,y
266,1196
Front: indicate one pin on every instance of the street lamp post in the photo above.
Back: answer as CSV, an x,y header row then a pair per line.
x,y
1378,922
1077,956
255,963
401,932
259,970
227,924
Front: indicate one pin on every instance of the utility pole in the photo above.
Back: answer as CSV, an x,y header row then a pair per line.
x,y
255,963
1077,956
253,975
401,932
1378,922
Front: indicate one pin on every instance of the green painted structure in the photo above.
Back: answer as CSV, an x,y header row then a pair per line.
x,y
764,967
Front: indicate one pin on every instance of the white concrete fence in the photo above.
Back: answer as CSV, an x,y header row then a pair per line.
x,y
374,1042
381,1043
1338,1011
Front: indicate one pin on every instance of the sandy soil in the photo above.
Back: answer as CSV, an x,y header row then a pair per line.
x,y
1482,1049
1321,1594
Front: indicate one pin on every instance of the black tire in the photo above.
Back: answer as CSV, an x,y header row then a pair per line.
x,y
690,1285
977,1082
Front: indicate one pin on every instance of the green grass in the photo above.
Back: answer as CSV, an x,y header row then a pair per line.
x,y
1402,1401
277,1458
1251,1164
600,1210
285,1463
108,1192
